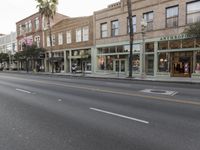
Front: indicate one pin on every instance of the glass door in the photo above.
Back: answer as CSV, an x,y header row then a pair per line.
x,y
119,65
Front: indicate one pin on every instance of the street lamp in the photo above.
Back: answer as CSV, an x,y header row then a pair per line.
x,y
143,30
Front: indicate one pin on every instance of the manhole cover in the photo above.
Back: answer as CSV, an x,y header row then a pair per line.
x,y
155,91
158,91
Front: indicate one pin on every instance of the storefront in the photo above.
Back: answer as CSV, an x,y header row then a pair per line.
x,y
81,59
173,56
178,56
115,59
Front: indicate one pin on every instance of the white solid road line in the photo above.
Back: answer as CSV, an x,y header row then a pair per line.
x,y
118,115
24,91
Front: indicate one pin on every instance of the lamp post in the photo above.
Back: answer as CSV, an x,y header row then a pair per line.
x,y
143,30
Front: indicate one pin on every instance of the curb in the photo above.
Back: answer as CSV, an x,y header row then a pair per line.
x,y
106,78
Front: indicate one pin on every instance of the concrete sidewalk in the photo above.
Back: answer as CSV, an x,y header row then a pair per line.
x,y
118,76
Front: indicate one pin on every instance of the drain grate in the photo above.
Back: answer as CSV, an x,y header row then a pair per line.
x,y
163,92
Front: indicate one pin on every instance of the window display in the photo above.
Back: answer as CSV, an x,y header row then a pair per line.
x,y
163,62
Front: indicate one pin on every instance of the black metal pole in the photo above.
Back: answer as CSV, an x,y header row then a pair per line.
x,y
129,6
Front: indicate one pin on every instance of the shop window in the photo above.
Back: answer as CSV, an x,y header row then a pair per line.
x,y
148,17
104,30
198,42
163,45
134,24
105,62
193,12
197,68
163,62
136,63
149,47
172,17
188,43
175,44
114,28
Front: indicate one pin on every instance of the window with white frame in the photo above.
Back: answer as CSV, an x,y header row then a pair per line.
x,y
104,30
37,41
172,17
69,37
134,24
36,21
78,35
85,33
53,40
148,17
29,26
20,30
48,41
26,26
60,39
193,12
114,28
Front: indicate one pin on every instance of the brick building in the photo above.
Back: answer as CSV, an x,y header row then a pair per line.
x,y
30,30
72,44
167,51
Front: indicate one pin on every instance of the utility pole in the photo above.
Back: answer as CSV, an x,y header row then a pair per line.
x,y
129,6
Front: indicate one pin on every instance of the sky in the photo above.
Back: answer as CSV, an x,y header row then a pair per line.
x,y
13,11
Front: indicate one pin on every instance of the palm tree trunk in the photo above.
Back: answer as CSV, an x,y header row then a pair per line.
x,y
51,44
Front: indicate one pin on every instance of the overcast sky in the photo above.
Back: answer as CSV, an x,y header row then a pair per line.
x,y
15,10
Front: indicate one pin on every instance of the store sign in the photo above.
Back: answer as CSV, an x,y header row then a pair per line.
x,y
175,37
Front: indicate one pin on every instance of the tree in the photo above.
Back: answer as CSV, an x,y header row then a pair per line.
x,y
32,53
193,30
4,57
47,8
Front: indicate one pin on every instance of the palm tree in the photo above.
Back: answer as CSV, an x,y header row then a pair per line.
x,y
47,8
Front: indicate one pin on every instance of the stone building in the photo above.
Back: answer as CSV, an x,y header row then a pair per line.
x,y
159,43
72,45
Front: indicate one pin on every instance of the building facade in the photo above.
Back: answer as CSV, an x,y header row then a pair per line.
x,y
8,44
159,45
72,45
30,30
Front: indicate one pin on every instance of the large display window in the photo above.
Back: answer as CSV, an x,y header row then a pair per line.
x,y
197,68
136,63
163,62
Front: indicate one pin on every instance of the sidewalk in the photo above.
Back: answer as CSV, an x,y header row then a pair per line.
x,y
116,76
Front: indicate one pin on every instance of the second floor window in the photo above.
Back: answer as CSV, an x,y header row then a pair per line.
x,y
172,17
85,33
29,26
78,35
193,12
134,24
148,17
69,37
60,39
104,30
36,22
115,28
53,40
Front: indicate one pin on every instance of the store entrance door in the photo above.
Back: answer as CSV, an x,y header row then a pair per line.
x,y
119,65
181,64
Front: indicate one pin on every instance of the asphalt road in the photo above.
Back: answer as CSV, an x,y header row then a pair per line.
x,y
51,113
